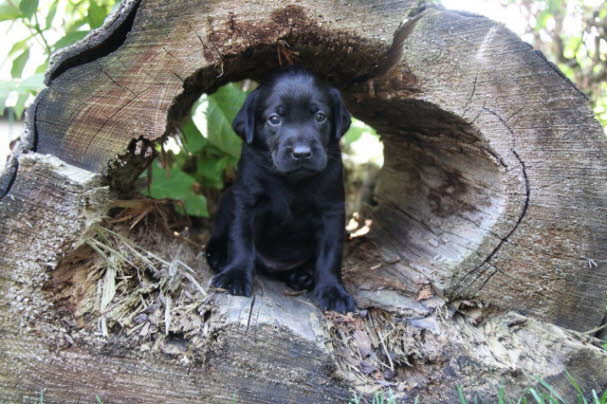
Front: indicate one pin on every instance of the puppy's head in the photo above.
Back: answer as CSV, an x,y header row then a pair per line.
x,y
296,118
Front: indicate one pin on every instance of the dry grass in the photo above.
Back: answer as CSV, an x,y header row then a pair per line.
x,y
140,282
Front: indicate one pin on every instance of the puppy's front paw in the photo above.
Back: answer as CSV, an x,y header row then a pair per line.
x,y
237,282
334,297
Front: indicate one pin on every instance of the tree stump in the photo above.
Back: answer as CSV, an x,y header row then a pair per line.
x,y
487,260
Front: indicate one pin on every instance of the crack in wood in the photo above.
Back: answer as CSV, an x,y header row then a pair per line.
x,y
114,81
107,120
525,203
471,95
198,36
395,53
250,314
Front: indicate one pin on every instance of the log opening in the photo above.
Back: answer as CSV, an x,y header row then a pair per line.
x,y
480,133
440,190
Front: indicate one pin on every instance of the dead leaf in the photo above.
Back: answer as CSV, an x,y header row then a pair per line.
x,y
367,368
425,293
363,342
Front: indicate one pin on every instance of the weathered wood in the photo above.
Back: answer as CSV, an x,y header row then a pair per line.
x,y
492,201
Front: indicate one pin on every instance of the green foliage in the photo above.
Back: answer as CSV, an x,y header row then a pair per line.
x,y
173,183
77,19
28,8
573,34
19,63
208,153
8,11
379,397
221,109
544,393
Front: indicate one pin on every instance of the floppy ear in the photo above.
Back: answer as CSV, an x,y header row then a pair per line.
x,y
244,123
341,116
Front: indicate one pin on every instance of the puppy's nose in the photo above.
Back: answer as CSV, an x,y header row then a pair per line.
x,y
301,152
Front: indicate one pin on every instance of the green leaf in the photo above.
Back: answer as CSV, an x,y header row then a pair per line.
x,y
191,137
74,25
28,7
460,394
69,39
210,171
353,134
9,12
30,85
542,19
501,395
51,14
42,68
17,46
33,83
538,399
555,6
19,63
223,105
96,14
175,184
20,105
2,103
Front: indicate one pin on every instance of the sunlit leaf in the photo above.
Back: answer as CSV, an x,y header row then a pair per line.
x,y
28,7
33,83
542,19
19,63
9,11
42,68
572,46
352,135
96,14
74,25
20,105
192,139
17,46
223,105
555,6
2,103
69,39
51,14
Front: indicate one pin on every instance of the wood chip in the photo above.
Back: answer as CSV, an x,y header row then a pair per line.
x,y
363,342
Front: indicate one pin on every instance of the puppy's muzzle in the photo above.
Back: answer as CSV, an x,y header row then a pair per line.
x,y
301,152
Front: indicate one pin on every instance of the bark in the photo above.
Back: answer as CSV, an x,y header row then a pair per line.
x,y
488,251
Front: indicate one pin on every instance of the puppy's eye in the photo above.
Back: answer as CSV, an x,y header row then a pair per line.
x,y
274,119
320,116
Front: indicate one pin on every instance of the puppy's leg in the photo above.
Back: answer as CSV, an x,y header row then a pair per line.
x,y
236,275
217,246
329,291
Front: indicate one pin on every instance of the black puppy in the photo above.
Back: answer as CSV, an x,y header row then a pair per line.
x,y
284,215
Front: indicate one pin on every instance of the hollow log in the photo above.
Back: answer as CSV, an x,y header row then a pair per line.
x,y
486,264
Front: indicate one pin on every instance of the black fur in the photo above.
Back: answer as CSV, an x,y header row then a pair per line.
x,y
284,215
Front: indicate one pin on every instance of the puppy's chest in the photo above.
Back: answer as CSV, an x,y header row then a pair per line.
x,y
291,210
